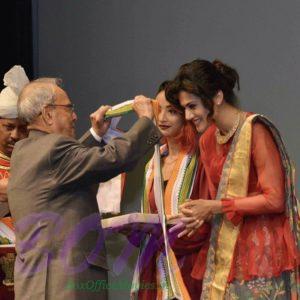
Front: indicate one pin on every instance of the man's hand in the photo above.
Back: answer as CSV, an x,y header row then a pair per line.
x,y
143,107
100,125
3,189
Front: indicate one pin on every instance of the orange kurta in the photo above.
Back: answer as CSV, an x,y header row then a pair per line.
x,y
265,246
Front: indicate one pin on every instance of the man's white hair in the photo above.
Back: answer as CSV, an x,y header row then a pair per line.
x,y
35,97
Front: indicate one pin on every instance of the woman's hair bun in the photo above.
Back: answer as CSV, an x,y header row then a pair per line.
x,y
230,74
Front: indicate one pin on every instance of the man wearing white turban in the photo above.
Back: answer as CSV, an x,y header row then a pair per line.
x,y
11,128
11,131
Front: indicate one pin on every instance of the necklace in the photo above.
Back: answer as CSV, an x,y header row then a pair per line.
x,y
223,139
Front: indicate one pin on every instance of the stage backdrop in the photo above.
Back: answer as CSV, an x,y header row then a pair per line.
x,y
110,51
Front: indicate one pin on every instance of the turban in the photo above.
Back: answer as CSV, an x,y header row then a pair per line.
x,y
14,80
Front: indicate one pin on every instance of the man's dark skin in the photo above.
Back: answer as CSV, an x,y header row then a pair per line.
x,y
11,131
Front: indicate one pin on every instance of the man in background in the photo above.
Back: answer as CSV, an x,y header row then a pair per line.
x,y
11,128
11,131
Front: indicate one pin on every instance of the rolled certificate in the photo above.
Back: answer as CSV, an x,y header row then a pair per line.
x,y
120,109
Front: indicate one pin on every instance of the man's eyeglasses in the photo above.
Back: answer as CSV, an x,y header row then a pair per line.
x,y
71,106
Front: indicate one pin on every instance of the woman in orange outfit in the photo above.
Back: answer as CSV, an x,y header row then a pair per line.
x,y
181,173
254,245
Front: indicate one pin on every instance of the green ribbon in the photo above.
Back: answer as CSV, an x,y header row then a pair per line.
x,y
120,109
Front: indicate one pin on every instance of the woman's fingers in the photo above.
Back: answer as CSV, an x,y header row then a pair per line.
x,y
188,220
173,217
200,223
177,227
187,212
183,233
186,232
189,203
192,224
191,233
189,229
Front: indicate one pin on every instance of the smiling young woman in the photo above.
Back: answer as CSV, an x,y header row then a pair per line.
x,y
180,168
254,246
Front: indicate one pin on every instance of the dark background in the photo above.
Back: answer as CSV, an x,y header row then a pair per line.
x,y
16,36
110,51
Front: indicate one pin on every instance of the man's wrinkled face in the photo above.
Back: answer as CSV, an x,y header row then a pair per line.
x,y
64,117
11,131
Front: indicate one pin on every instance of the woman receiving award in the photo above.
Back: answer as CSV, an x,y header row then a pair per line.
x,y
180,175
